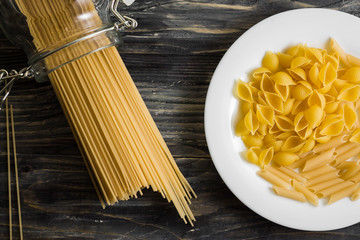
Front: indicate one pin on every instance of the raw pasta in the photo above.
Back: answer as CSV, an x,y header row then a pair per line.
x,y
303,124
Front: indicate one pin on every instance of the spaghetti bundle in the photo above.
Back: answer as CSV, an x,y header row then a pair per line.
x,y
123,148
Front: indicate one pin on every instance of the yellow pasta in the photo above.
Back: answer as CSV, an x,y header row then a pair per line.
x,y
251,122
313,199
298,196
284,123
342,55
278,173
285,158
298,74
266,156
285,59
265,114
274,101
317,99
292,174
327,74
271,61
314,115
348,191
314,75
356,195
302,90
267,84
322,178
252,141
293,144
319,159
350,92
323,185
300,122
282,78
352,74
244,91
318,171
272,178
355,137
333,189
288,106
259,73
315,54
334,142
300,62
252,155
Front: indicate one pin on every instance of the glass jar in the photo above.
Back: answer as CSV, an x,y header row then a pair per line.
x,y
89,25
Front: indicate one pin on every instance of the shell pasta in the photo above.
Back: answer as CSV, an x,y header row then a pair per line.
x,y
299,119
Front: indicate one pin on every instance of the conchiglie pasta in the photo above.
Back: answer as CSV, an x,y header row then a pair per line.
x,y
285,59
317,98
349,92
259,73
314,115
274,101
252,155
300,62
283,78
252,141
327,74
314,75
266,156
302,90
285,158
298,74
251,122
265,114
244,91
349,116
271,61
293,144
315,55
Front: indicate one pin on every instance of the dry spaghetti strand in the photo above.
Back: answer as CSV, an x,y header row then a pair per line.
x,y
123,148
9,165
16,171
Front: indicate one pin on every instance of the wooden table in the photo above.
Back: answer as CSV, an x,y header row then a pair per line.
x,y
171,56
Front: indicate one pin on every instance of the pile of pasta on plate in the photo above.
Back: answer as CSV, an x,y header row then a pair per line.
x,y
298,118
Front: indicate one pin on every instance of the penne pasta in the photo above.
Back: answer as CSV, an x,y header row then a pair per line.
x,y
318,160
356,195
310,196
272,178
350,172
300,163
333,143
345,147
318,171
345,156
322,178
348,191
278,173
333,189
355,178
298,196
321,186
292,174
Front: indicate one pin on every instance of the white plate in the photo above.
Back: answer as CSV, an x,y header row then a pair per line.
x,y
310,26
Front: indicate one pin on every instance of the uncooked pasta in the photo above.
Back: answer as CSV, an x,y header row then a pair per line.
x,y
120,141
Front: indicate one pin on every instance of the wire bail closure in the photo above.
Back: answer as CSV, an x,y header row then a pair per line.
x,y
7,79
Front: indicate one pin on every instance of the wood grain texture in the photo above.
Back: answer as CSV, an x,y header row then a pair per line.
x,y
171,56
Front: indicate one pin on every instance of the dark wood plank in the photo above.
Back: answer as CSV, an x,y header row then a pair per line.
x,y
171,56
